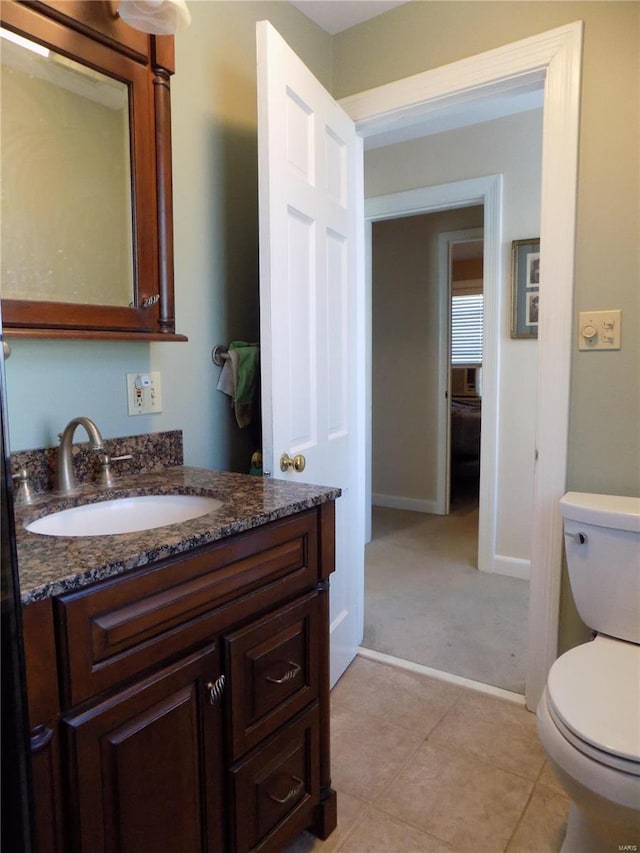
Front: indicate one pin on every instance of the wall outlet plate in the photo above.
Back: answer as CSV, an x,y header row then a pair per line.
x,y
144,396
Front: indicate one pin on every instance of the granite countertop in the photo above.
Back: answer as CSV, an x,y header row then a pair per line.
x,y
50,565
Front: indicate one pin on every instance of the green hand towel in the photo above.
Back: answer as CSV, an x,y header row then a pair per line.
x,y
248,366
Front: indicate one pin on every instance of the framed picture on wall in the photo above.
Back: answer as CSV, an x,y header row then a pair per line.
x,y
525,288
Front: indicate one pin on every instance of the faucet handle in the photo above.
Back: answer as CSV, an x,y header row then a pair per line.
x,y
24,493
105,477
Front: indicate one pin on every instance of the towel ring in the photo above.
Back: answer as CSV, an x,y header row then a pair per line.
x,y
219,354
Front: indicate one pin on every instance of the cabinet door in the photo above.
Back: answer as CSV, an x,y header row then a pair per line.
x,y
145,765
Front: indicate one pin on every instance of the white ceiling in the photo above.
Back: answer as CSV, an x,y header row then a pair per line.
x,y
337,15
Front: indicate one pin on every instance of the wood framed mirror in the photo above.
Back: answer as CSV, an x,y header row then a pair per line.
x,y
87,231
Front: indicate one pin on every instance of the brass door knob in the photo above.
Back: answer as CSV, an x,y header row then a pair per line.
x,y
297,463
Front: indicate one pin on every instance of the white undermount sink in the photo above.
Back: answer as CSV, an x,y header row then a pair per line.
x,y
124,515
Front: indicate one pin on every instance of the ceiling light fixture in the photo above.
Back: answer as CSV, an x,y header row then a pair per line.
x,y
158,17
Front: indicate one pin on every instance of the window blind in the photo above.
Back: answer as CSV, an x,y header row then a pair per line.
x,y
466,329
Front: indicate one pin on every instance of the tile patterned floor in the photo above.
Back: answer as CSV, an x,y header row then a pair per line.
x,y
423,765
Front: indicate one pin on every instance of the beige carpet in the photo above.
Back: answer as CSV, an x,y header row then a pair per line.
x,y
426,603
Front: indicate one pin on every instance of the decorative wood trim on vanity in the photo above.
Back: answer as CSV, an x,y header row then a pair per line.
x,y
326,813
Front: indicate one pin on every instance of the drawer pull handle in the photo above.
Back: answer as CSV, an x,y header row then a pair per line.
x,y
215,689
293,791
289,675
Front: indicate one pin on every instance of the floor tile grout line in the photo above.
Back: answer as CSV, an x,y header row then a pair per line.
x,y
374,806
521,818
385,718
405,728
357,824
467,754
380,807
377,803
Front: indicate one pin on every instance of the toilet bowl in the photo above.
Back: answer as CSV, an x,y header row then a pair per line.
x,y
589,725
589,713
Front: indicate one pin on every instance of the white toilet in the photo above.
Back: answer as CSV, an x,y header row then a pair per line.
x,y
589,713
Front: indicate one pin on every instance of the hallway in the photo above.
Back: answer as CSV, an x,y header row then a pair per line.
x,y
427,603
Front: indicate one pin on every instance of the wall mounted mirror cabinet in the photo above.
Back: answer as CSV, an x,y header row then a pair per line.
x,y
86,205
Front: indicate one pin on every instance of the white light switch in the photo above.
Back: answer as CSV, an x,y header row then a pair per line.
x,y
143,393
599,330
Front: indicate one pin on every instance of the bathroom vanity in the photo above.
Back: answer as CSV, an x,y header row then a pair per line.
x,y
178,678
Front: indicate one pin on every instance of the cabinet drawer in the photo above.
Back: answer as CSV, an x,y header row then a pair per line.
x,y
277,787
273,667
122,627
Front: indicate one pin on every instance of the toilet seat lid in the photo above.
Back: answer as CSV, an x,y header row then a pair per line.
x,y
595,691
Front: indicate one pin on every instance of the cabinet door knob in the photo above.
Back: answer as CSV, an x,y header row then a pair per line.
x,y
215,689
294,789
288,676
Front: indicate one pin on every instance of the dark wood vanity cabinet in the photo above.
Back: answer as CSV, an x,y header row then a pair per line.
x,y
192,698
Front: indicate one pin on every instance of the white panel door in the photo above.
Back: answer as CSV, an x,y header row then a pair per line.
x,y
310,192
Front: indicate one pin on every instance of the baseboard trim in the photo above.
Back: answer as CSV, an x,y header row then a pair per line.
x,y
513,567
489,689
411,504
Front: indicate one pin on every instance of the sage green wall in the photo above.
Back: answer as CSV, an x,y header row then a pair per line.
x,y
214,118
604,440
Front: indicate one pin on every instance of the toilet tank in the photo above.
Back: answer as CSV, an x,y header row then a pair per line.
x,y
602,544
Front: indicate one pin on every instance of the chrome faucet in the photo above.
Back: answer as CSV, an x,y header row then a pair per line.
x,y
65,480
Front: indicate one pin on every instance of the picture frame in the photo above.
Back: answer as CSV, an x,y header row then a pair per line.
x,y
525,298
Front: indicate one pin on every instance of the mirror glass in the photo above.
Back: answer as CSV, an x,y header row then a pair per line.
x,y
65,186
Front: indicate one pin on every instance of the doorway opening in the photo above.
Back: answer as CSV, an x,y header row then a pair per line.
x,y
425,600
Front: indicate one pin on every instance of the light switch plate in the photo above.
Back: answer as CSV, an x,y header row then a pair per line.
x,y
599,330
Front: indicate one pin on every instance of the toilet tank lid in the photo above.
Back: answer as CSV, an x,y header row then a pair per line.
x,y
615,511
